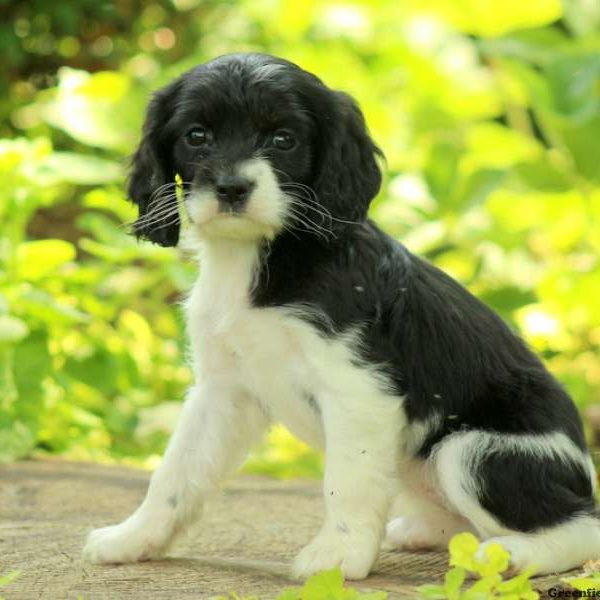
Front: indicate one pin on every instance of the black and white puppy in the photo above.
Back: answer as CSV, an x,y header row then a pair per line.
x,y
306,313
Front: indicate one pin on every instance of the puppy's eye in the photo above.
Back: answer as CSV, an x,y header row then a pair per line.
x,y
197,136
283,140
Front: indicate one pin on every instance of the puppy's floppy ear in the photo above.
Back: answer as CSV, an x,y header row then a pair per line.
x,y
348,176
152,167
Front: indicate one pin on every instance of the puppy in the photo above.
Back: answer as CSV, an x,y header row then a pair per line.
x,y
306,313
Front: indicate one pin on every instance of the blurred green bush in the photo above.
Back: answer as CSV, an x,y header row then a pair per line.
x,y
488,112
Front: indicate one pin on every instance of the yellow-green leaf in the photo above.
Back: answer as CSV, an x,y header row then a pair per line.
x,y
40,258
462,548
495,560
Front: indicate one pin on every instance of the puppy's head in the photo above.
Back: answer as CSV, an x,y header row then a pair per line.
x,y
260,145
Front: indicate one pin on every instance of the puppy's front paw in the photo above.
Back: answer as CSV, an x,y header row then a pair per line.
x,y
354,554
123,543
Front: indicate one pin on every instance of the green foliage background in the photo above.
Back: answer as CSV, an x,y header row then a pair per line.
x,y
488,112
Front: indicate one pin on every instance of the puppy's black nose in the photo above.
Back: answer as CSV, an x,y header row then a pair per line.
x,y
233,190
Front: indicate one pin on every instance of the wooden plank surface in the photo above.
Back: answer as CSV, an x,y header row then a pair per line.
x,y
244,544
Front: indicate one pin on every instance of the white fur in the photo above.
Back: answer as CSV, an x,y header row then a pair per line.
x,y
425,522
431,530
554,550
457,459
255,366
451,472
264,215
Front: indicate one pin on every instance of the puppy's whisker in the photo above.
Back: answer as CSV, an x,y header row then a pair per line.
x,y
170,184
158,195
290,230
316,226
158,192
166,202
325,215
160,213
174,221
330,216
322,212
150,219
301,186
150,223
311,226
283,173
295,227
319,208
314,204
301,208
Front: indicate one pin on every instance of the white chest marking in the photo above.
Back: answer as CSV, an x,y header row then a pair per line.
x,y
281,359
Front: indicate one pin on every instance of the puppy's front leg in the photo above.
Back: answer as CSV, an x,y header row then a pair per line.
x,y
361,441
215,431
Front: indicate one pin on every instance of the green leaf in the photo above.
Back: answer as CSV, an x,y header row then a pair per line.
x,y
570,116
496,560
441,170
462,548
101,110
583,583
81,169
482,589
582,16
15,442
474,189
32,363
534,46
520,586
327,585
507,299
3,305
453,581
41,258
433,592
12,329
478,17
100,369
573,79
542,176
41,306
6,579
289,594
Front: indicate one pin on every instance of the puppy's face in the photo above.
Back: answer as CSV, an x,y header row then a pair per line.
x,y
260,145
240,138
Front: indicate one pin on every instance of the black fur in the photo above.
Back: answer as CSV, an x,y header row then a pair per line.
x,y
527,493
446,352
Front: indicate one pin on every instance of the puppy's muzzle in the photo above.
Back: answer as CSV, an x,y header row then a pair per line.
x,y
233,192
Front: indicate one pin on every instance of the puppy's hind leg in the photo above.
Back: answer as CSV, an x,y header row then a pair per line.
x,y
424,523
429,528
531,493
553,550
215,431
